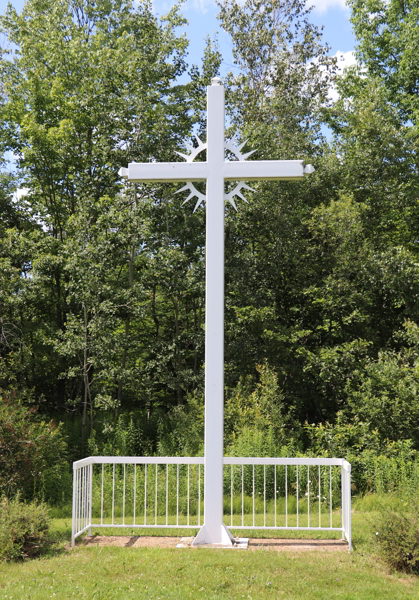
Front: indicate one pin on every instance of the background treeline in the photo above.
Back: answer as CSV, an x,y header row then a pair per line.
x,y
102,284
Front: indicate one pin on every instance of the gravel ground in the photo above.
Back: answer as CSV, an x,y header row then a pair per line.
x,y
277,545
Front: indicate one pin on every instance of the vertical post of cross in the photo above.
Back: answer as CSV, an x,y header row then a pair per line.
x,y
213,530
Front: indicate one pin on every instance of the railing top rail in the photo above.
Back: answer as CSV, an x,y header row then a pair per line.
x,y
199,460
232,460
83,462
140,460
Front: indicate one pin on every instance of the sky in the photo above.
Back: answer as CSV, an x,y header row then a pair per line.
x,y
201,15
333,15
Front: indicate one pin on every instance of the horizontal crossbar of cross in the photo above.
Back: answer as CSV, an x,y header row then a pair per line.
x,y
232,171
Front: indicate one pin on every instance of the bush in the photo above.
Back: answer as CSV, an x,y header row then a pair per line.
x,y
24,529
33,453
398,538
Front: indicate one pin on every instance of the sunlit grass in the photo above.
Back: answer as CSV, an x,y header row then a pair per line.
x,y
111,573
150,573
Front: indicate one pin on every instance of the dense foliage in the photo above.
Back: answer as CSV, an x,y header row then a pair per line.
x,y
398,539
24,529
102,284
33,452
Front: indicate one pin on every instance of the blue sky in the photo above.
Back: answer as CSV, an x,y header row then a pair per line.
x,y
201,14
333,15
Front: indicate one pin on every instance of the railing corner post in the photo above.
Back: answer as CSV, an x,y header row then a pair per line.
x,y
89,532
74,514
347,503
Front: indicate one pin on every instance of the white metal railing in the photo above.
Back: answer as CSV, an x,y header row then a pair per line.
x,y
168,492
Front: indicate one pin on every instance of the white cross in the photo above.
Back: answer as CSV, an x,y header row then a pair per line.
x,y
215,171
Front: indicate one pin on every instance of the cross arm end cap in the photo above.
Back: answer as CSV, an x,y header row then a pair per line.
x,y
308,169
123,172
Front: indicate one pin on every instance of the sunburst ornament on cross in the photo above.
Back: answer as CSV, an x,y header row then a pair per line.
x,y
215,171
194,193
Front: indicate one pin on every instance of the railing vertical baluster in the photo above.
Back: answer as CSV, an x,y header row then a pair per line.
x,y
187,509
320,498
308,496
231,495
286,495
145,492
156,497
177,494
298,494
167,494
253,495
101,493
242,496
330,496
134,502
264,495
123,497
113,494
275,495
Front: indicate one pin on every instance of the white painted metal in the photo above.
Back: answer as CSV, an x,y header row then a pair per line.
x,y
123,497
120,485
145,493
213,530
90,496
167,493
155,500
134,491
298,500
261,170
215,171
319,490
330,496
177,495
308,495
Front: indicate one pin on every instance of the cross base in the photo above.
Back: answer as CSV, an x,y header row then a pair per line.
x,y
219,535
235,544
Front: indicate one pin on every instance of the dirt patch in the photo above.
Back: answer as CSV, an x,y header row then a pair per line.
x,y
283,545
277,545
131,541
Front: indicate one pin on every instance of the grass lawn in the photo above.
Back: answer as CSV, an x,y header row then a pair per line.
x,y
151,573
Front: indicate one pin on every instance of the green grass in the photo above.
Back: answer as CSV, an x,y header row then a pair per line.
x,y
110,573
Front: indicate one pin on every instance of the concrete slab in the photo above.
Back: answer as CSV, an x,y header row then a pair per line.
x,y
238,544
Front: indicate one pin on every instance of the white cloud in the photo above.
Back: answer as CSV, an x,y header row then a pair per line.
x,y
323,6
19,193
202,6
199,6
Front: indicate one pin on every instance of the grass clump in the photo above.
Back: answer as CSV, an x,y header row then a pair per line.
x,y
398,538
24,529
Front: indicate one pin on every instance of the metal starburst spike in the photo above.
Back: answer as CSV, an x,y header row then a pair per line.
x,y
194,193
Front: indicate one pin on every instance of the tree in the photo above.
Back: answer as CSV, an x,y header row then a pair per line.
x,y
89,89
388,37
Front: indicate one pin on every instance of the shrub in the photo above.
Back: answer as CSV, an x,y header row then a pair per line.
x,y
33,453
398,538
24,529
